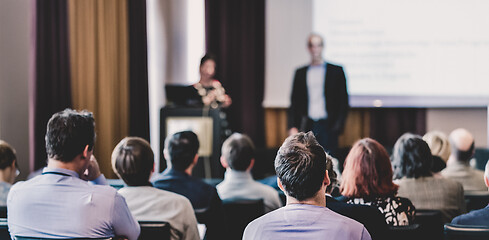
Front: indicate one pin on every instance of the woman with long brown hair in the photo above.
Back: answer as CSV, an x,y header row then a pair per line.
x,y
367,179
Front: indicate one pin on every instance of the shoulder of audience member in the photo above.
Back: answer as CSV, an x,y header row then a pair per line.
x,y
472,217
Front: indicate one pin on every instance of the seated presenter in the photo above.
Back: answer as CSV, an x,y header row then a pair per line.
x,y
210,89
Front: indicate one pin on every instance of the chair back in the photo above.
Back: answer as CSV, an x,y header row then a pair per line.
x,y
154,230
476,200
34,238
405,232
466,232
4,233
431,225
239,213
202,215
3,211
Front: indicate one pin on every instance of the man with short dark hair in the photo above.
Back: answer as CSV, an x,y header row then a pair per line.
x,y
60,203
477,217
458,164
237,157
301,170
181,154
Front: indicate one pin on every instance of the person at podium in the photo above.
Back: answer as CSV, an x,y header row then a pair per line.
x,y
209,89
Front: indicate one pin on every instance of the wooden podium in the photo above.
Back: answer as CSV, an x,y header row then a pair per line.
x,y
208,124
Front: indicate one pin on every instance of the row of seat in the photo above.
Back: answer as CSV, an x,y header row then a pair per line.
x,y
149,230
428,225
451,232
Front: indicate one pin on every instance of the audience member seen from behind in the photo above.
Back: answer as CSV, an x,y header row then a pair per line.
x,y
440,149
411,160
181,154
238,159
8,170
133,162
367,179
476,217
458,165
301,170
369,216
60,203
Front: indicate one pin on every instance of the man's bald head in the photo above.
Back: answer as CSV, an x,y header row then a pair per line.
x,y
462,142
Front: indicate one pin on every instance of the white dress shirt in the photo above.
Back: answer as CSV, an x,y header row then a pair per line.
x,y
315,92
148,203
240,185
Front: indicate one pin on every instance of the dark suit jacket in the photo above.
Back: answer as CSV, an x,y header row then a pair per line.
x,y
336,99
204,198
370,217
477,217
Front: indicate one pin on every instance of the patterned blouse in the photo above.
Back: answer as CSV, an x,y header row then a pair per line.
x,y
397,211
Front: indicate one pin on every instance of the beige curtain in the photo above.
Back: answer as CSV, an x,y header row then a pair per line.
x,y
357,126
99,70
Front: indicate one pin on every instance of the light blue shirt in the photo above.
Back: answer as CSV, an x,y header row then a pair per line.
x,y
240,185
315,92
4,189
58,204
302,221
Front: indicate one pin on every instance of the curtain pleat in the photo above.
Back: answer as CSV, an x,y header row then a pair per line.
x,y
235,34
51,80
99,62
138,70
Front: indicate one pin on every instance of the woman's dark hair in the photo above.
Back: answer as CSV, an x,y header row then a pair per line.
x,y
367,172
411,157
133,161
207,56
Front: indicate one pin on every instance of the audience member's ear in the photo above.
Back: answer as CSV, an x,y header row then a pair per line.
x,y
326,180
252,163
486,181
196,159
13,170
279,183
86,154
224,163
166,154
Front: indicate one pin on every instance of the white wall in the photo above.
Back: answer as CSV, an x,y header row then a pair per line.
x,y
448,119
288,24
15,39
175,46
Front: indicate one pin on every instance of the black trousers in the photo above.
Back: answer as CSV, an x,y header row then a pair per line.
x,y
325,136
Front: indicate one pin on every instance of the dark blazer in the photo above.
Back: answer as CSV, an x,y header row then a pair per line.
x,y
369,216
204,198
477,217
336,99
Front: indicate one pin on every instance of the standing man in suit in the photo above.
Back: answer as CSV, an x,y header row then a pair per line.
x,y
319,100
